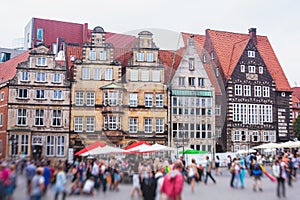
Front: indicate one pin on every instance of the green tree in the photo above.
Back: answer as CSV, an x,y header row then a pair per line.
x,y
296,127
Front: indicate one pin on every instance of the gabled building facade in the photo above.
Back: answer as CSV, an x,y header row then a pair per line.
x,y
38,107
192,103
258,93
295,103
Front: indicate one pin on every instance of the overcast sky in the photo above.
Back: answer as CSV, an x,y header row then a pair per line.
x,y
277,19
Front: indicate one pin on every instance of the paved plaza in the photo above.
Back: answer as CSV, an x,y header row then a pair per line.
x,y
211,191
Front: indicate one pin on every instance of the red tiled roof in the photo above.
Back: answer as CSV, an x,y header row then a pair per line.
x,y
296,94
229,46
199,40
121,41
8,68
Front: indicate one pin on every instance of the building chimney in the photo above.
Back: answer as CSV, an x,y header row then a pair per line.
x,y
252,35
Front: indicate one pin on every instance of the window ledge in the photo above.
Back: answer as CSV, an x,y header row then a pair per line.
x,y
20,98
44,99
57,99
55,82
25,81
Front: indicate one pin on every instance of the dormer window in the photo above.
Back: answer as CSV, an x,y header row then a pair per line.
x,y
149,57
242,68
140,57
103,55
191,64
251,69
251,54
41,61
92,55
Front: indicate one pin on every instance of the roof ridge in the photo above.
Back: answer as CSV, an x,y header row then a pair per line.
x,y
233,50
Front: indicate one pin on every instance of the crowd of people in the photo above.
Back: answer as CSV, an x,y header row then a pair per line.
x,y
152,179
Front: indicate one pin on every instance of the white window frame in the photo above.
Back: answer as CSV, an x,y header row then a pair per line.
x,y
57,94
133,100
78,124
159,100
78,98
140,57
90,124
40,77
133,125
181,81
60,146
86,73
255,134
103,55
110,122
251,54
242,68
93,55
39,117
191,64
57,118
40,94
22,117
237,136
148,100
251,69
159,125
57,78
148,125
192,81
24,76
134,75
238,90
1,119
257,91
23,93
90,98
218,110
24,143
266,91
260,70
41,61
145,75
150,57
108,74
247,90
97,74
50,145
155,75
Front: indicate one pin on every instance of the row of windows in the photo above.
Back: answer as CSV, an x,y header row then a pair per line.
x,y
245,90
191,102
244,136
191,81
40,94
97,74
252,113
39,117
55,145
141,57
202,147
95,56
41,77
252,69
145,75
113,122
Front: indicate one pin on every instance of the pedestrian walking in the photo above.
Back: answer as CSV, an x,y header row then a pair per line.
x,y
59,186
208,169
37,185
12,182
217,166
280,174
256,172
192,174
242,172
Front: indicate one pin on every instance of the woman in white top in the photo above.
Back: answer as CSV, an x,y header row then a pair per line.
x,y
280,174
192,173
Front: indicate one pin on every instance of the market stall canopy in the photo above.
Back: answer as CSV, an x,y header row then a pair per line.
x,y
90,147
103,150
135,144
156,148
267,146
243,151
290,144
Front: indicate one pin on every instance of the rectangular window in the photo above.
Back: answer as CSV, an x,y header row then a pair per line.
x,y
90,98
40,94
191,81
90,124
41,61
40,77
22,116
133,125
145,75
133,100
56,78
236,112
148,100
113,98
238,90
251,69
78,98
102,55
134,75
22,93
261,70
266,91
159,124
39,117
86,73
5,56
61,143
54,48
140,57
159,100
1,119
237,136
181,81
92,55
108,74
156,76
251,54
257,91
78,124
24,144
268,114
97,74
149,57
50,145
204,58
247,90
40,34
255,136
24,76
57,95
242,68
191,64
110,122
201,82
56,118
148,125
218,110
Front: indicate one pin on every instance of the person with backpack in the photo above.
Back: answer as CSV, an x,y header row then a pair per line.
x,y
148,185
280,174
37,185
256,172
159,178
